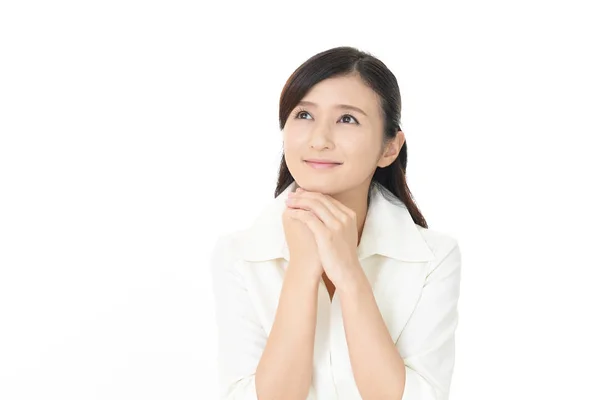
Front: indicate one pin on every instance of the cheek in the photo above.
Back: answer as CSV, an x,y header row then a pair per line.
x,y
292,136
290,147
292,151
360,150
362,157
293,144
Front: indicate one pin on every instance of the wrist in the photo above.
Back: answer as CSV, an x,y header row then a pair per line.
x,y
351,279
305,269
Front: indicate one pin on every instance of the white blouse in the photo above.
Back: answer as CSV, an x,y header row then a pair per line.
x,y
414,273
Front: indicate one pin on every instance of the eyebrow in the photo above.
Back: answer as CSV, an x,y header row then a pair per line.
x,y
342,106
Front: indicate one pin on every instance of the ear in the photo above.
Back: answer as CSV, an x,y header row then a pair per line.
x,y
391,151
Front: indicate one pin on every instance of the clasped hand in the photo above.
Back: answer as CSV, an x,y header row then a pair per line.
x,y
334,228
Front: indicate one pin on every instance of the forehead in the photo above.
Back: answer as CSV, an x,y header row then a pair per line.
x,y
344,90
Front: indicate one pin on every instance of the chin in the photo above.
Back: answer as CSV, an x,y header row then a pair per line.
x,y
320,187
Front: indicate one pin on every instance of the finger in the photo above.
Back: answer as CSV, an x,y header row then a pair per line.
x,y
334,206
347,210
341,206
315,206
312,221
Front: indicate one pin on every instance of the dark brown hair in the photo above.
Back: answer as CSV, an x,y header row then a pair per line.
x,y
344,61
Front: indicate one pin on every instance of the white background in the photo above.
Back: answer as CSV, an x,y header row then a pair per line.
x,y
132,134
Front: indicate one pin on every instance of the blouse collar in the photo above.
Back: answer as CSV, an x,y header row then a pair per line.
x,y
388,231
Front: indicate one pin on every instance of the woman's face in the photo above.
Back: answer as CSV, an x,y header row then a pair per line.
x,y
319,127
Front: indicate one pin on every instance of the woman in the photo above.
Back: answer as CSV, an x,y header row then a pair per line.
x,y
338,290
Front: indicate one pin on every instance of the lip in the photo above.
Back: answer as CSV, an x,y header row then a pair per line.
x,y
317,161
321,164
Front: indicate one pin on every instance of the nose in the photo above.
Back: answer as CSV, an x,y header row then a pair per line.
x,y
321,137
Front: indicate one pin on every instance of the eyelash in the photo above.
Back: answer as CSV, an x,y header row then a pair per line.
x,y
300,110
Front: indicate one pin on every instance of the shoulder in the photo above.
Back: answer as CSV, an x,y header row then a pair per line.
x,y
438,241
226,250
444,246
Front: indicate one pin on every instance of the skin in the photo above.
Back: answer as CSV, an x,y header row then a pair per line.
x,y
325,131
332,204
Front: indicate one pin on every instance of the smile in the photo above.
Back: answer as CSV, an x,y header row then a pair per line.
x,y
318,165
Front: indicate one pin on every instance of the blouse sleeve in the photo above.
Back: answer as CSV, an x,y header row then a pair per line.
x,y
241,338
427,343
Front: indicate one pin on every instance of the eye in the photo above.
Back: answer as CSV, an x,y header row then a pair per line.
x,y
350,116
301,111
345,117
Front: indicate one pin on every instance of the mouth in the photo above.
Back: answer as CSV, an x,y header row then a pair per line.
x,y
322,164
